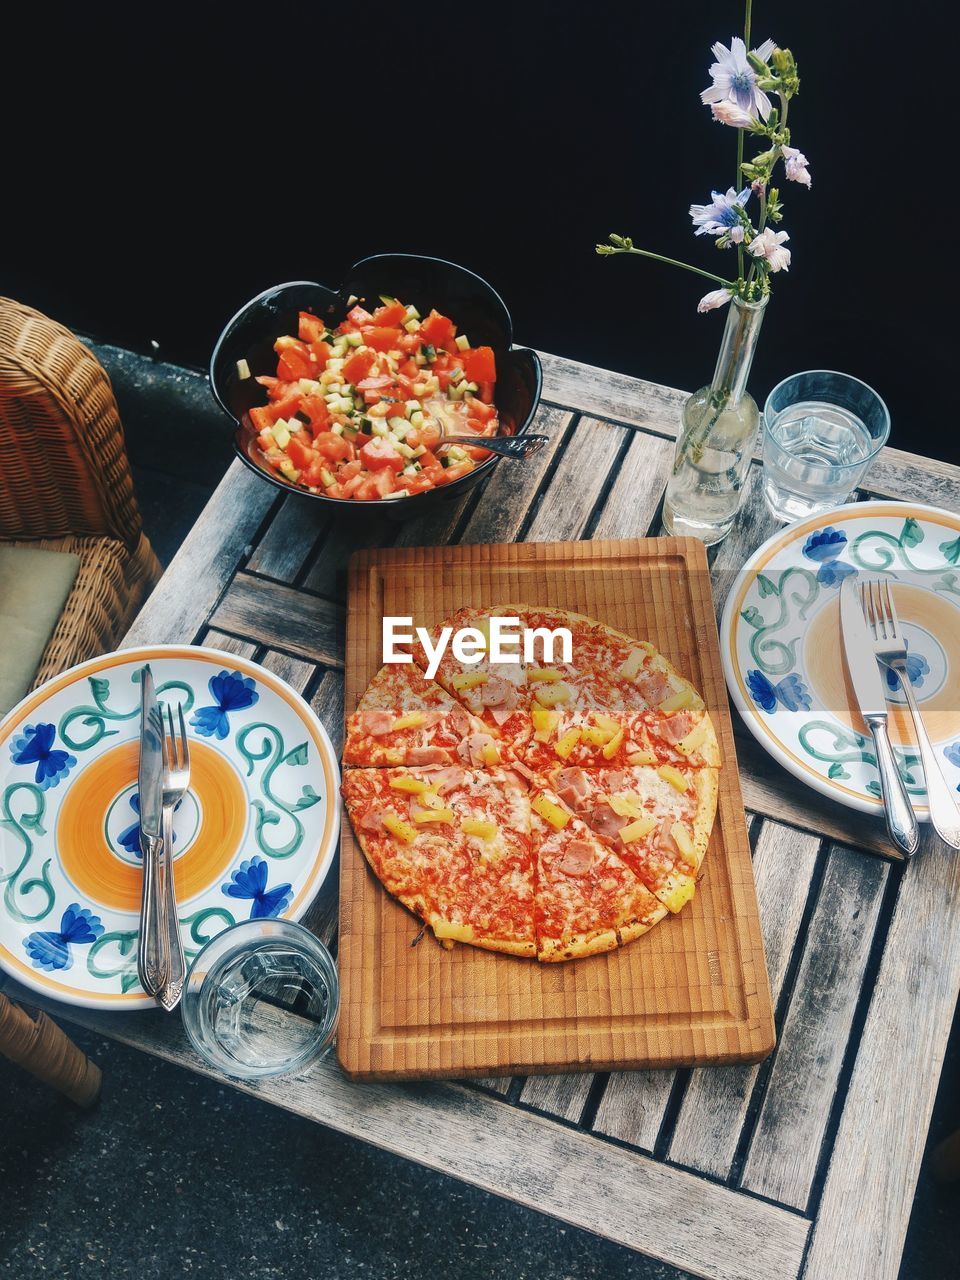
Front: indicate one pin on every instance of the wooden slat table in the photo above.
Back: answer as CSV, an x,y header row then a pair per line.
x,y
802,1166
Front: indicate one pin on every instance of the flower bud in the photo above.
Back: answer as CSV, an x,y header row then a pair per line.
x,y
782,60
758,64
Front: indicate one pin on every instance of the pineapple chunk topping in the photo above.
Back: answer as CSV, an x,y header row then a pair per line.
x,y
545,675
633,664
421,816
415,786
469,680
550,812
685,697
673,775
489,754
397,827
551,695
626,806
683,838
566,742
613,746
637,830
544,722
642,757
411,721
479,827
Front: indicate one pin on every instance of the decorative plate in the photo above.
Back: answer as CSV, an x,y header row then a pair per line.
x,y
255,835
783,656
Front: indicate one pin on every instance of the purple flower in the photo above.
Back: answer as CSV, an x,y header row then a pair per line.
x,y
721,216
49,950
230,692
735,81
250,881
35,746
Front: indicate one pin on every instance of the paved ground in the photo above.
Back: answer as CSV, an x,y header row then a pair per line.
x,y
173,1175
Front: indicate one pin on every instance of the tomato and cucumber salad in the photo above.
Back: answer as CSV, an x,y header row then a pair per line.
x,y
359,411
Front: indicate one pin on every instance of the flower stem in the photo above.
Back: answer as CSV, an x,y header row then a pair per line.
x,y
748,16
674,262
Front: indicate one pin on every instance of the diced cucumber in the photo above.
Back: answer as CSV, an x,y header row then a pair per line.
x,y
338,428
471,386
430,351
419,360
267,432
355,339
420,450
289,470
327,477
334,364
457,375
404,449
243,369
416,419
412,470
378,427
352,301
359,403
387,300
399,424
411,406
463,342
281,434
412,312
456,453
455,391
411,326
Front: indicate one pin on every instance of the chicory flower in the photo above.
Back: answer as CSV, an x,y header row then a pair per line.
x,y
795,163
735,81
769,245
716,298
721,216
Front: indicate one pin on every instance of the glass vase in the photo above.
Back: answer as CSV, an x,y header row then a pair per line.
x,y
717,437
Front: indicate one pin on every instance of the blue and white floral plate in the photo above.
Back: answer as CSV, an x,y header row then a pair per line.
x,y
783,657
254,836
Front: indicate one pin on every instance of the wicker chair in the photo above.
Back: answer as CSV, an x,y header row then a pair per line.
x,y
65,485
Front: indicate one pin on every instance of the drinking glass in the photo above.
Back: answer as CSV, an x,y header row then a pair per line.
x,y
821,431
261,999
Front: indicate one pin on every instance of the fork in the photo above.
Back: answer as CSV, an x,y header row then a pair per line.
x,y
891,651
176,779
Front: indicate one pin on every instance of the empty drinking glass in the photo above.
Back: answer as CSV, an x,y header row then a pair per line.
x,y
821,431
262,998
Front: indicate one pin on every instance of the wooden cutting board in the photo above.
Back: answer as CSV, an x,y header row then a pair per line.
x,y
692,991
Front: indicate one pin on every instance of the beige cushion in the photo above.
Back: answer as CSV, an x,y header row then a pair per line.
x,y
34,586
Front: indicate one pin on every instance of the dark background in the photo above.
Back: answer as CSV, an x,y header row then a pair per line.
x,y
163,165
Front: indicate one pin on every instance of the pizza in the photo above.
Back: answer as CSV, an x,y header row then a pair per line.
x,y
554,806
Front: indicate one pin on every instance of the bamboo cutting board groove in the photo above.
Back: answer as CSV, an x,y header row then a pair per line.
x,y
694,990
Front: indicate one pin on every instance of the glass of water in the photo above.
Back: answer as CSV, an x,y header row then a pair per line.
x,y
821,431
262,999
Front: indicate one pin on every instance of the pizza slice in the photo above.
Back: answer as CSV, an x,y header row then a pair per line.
x,y
405,719
666,716
496,693
452,844
657,818
588,900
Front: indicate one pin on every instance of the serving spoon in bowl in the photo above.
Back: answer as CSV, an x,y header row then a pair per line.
x,y
505,446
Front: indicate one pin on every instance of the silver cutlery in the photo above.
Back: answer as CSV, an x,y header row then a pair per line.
x,y
176,779
505,446
868,688
150,967
890,650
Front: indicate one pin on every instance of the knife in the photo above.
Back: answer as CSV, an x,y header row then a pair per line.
x,y
867,685
150,965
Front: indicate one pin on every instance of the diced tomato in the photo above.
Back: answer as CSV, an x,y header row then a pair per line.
x,y
381,339
261,417
334,491
350,469
321,351
357,366
482,410
358,317
391,313
409,369
430,466
332,446
375,383
408,342
310,327
376,486
315,408
264,441
268,414
381,454
486,392
438,331
295,363
300,454
351,486
479,364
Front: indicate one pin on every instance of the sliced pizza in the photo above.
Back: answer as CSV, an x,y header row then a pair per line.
x,y
657,818
405,719
588,900
456,843
666,716
495,693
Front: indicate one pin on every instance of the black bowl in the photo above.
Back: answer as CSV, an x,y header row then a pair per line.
x,y
474,306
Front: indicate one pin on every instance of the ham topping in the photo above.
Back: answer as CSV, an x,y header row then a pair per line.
x,y
435,716
372,822
605,822
459,719
676,727
376,723
573,786
654,687
577,859
427,755
447,779
497,692
665,840
472,747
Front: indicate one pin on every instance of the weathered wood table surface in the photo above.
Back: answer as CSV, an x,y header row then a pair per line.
x,y
803,1166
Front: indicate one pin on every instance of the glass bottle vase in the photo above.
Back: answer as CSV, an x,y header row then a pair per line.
x,y
717,437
